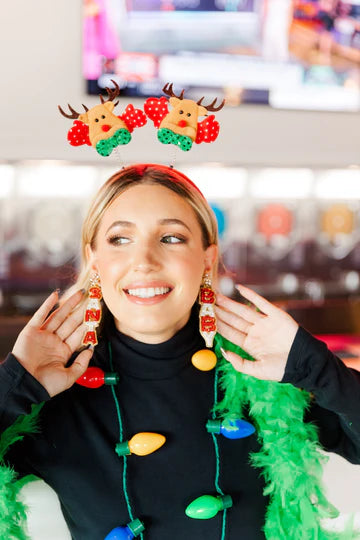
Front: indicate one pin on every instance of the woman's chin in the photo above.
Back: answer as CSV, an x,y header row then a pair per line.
x,y
154,329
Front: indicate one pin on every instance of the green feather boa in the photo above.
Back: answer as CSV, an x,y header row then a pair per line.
x,y
290,458
12,510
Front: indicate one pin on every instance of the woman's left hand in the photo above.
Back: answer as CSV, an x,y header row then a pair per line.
x,y
267,335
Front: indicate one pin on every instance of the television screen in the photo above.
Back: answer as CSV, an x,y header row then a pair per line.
x,y
297,54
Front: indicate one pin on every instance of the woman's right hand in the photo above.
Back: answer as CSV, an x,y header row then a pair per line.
x,y
47,342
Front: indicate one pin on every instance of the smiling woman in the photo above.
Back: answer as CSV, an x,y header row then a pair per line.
x,y
159,234
151,441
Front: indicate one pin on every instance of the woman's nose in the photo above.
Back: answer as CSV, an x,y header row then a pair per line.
x,y
146,259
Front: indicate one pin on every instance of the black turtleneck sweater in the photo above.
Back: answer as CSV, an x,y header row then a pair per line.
x,y
160,391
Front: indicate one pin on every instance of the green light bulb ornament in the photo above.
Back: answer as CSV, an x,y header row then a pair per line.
x,y
207,506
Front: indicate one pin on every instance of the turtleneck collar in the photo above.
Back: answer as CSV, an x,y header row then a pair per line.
x,y
155,361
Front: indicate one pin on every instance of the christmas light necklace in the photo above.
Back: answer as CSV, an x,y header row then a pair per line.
x,y
290,457
203,507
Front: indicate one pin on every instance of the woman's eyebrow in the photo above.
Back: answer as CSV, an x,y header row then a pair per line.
x,y
165,221
128,224
173,221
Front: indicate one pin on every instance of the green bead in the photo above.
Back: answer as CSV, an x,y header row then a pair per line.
x,y
122,449
111,378
136,526
207,506
213,426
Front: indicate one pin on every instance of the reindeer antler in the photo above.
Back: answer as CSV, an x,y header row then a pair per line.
x,y
112,93
168,90
73,114
212,107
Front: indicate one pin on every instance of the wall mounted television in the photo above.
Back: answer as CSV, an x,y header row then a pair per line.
x,y
290,54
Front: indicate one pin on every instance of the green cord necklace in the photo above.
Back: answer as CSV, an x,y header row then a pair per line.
x,y
222,502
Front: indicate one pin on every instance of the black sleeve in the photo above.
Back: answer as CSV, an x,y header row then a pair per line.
x,y
336,390
18,391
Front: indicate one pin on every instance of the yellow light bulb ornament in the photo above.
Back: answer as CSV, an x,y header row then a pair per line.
x,y
140,444
204,360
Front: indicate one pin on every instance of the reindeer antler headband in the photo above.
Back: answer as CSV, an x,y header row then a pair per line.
x,y
101,128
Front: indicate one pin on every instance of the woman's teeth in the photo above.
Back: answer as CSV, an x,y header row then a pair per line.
x,y
148,293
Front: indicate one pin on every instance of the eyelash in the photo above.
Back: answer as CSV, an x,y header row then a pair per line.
x,y
180,239
116,239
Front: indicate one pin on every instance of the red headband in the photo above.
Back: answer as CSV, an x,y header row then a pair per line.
x,y
175,175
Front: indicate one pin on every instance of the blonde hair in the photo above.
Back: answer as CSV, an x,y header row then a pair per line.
x,y
124,180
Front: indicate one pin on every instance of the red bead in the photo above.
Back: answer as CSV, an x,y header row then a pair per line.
x,y
90,338
182,123
207,295
95,292
94,377
208,324
106,127
92,315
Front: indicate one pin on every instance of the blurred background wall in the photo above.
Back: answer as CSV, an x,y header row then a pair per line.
x,y
284,185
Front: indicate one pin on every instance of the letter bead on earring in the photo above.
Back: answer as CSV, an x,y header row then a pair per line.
x,y
207,312
206,359
92,316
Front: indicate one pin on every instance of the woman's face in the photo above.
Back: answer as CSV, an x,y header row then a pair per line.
x,y
150,259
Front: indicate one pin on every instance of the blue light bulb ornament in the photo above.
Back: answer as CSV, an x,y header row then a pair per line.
x,y
132,529
231,429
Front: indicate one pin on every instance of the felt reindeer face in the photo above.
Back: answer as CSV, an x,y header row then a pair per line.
x,y
180,126
100,127
102,123
185,112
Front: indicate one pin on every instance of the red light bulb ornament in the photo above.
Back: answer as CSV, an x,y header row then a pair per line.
x,y
94,377
207,506
140,444
205,360
132,529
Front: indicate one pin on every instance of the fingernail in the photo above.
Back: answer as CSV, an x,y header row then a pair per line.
x,y
91,347
223,352
57,291
83,291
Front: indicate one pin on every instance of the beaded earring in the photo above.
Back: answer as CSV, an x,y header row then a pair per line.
x,y
92,316
206,359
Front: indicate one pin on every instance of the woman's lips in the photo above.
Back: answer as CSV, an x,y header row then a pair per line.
x,y
147,301
147,293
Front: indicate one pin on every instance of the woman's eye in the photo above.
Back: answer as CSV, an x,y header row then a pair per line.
x,y
172,239
118,240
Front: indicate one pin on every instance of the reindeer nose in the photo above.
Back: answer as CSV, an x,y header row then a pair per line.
x,y
105,127
182,123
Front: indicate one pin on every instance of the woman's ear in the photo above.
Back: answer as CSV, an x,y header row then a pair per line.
x,y
90,257
211,255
